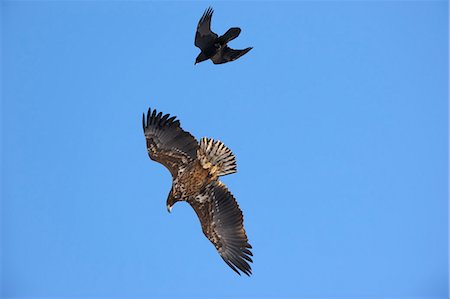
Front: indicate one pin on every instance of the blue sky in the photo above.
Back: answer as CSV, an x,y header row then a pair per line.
x,y
338,118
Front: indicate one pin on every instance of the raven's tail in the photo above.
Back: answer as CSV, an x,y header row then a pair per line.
x,y
216,157
231,34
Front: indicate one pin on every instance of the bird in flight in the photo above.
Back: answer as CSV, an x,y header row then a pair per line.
x,y
212,46
196,168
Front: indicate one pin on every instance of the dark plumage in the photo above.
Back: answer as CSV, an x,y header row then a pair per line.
x,y
195,168
214,47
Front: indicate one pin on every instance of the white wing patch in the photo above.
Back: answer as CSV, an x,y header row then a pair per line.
x,y
202,198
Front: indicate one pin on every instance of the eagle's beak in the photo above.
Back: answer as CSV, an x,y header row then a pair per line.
x,y
169,209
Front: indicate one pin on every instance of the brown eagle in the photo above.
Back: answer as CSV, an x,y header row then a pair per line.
x,y
214,47
196,168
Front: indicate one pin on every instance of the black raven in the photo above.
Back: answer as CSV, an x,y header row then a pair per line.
x,y
214,47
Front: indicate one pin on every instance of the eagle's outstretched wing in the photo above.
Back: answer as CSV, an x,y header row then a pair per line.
x,y
222,223
204,37
227,54
167,143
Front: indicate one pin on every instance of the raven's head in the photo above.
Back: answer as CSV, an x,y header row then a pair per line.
x,y
172,199
201,57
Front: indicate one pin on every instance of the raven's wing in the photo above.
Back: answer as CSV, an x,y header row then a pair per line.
x,y
231,34
227,54
204,37
167,143
222,223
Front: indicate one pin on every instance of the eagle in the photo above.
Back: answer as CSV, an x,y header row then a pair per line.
x,y
212,46
196,168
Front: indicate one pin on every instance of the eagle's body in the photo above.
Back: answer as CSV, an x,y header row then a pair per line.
x,y
215,47
191,180
196,168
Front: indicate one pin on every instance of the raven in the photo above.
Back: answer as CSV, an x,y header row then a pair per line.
x,y
196,168
214,47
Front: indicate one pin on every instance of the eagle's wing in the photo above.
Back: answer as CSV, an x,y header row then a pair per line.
x,y
222,223
167,143
204,37
227,54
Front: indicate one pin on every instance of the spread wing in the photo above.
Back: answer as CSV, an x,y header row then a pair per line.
x,y
227,54
222,223
204,37
167,143
231,34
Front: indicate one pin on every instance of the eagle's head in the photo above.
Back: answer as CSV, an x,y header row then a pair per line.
x,y
172,199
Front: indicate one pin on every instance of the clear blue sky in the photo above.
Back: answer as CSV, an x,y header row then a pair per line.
x,y
338,118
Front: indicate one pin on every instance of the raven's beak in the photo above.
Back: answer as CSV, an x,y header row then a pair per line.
x,y
169,209
195,63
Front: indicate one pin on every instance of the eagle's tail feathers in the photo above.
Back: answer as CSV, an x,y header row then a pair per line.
x,y
216,157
